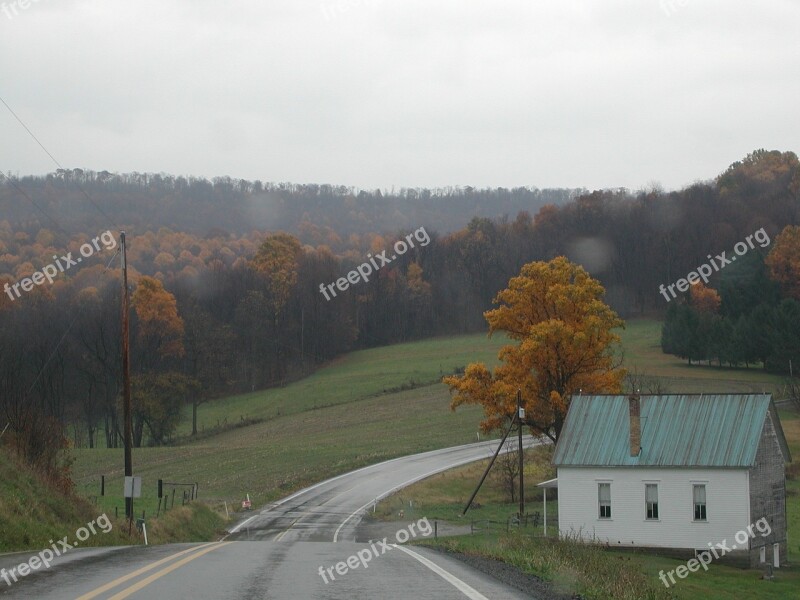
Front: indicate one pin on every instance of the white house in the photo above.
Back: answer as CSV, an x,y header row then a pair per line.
x,y
678,473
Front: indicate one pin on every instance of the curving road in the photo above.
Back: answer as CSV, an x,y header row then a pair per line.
x,y
308,545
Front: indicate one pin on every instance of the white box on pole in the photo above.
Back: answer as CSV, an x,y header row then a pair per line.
x,y
133,487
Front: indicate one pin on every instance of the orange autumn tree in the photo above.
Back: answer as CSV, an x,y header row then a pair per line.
x,y
160,334
783,261
160,327
277,260
703,298
277,263
564,344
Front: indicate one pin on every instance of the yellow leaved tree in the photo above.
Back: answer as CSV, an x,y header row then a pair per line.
x,y
564,344
783,261
277,260
160,327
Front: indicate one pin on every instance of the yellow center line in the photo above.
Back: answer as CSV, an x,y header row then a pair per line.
x,y
279,537
148,580
150,567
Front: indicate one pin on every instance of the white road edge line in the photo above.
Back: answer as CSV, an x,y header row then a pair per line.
x,y
279,537
242,524
376,465
387,492
409,482
468,591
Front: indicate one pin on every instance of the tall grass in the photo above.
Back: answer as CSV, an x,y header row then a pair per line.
x,y
573,567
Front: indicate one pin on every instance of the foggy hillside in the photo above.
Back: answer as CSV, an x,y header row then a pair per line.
x,y
144,202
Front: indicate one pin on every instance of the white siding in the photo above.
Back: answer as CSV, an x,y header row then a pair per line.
x,y
726,497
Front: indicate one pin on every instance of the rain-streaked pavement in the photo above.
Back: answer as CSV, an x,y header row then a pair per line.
x,y
278,552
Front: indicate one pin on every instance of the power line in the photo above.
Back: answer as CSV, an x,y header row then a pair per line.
x,y
58,164
41,210
30,132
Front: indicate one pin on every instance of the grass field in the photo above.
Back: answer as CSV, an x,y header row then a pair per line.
x,y
349,414
641,342
355,377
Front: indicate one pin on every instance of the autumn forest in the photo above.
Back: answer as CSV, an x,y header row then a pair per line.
x,y
226,275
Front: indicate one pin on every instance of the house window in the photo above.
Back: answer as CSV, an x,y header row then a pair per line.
x,y
651,500
604,499
699,494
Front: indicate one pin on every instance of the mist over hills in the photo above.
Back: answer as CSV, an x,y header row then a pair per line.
x,y
144,202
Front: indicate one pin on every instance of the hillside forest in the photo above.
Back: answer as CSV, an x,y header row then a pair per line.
x,y
225,281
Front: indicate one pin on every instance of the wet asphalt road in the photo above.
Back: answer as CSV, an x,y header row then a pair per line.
x,y
306,546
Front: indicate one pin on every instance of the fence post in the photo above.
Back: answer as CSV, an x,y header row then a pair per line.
x,y
435,529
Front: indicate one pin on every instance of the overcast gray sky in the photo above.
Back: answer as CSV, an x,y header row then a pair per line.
x,y
376,93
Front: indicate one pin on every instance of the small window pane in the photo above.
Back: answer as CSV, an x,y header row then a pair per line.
x,y
699,496
651,501
604,500
605,492
651,493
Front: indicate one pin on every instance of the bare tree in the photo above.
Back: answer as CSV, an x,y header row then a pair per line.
x,y
792,391
640,381
506,469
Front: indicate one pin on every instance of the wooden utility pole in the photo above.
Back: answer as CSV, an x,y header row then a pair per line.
x,y
520,420
126,372
488,468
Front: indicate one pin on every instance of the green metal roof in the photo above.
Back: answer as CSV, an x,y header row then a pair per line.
x,y
695,430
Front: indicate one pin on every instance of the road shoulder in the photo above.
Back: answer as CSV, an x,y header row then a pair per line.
x,y
506,574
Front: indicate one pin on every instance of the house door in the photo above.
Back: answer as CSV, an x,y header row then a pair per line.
x,y
776,555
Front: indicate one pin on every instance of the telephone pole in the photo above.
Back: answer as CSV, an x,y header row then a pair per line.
x,y
126,372
520,419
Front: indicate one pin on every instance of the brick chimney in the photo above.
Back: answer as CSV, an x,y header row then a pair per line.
x,y
634,409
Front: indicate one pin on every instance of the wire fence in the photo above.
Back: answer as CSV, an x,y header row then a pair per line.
x,y
531,524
